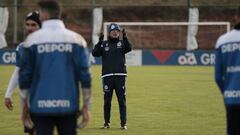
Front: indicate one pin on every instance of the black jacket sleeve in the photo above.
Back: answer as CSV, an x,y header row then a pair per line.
x,y
97,51
127,45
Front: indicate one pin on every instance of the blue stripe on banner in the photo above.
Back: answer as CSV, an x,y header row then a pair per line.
x,y
148,58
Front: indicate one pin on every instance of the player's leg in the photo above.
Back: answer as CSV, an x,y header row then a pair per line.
x,y
67,125
43,125
120,83
108,91
233,119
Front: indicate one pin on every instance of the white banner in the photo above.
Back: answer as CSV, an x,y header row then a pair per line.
x,y
134,58
97,24
3,26
192,29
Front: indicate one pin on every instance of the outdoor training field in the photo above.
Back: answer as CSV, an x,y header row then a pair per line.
x,y
162,100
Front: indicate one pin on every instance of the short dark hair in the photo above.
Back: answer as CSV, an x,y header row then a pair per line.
x,y
53,7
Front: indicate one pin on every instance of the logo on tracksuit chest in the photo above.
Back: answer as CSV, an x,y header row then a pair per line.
x,y
119,45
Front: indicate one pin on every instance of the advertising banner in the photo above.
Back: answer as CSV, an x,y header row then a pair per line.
x,y
7,56
178,57
142,57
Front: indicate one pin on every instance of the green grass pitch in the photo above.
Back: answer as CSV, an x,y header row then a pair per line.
x,y
161,100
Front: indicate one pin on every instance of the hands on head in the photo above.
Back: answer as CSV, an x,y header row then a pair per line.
x,y
124,33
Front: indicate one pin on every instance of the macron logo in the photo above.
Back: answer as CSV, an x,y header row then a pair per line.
x,y
47,48
232,94
54,103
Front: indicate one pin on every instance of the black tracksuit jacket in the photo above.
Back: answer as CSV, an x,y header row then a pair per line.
x,y
113,55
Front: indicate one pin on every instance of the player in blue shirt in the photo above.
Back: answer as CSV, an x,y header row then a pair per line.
x,y
227,75
54,61
32,23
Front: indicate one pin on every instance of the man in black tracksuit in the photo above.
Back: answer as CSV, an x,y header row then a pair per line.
x,y
114,70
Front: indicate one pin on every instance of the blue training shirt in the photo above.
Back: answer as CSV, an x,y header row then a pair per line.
x,y
54,60
227,66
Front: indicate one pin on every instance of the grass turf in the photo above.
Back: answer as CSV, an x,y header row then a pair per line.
x,y
161,100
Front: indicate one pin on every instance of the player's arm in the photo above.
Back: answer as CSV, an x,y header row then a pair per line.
x,y
26,69
81,59
86,92
97,50
85,77
25,114
13,83
25,73
25,80
127,44
219,71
